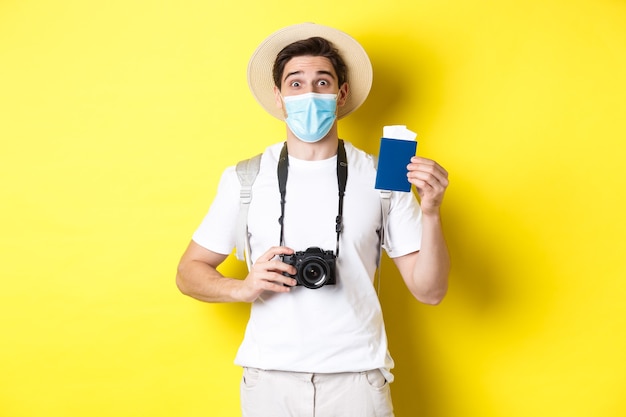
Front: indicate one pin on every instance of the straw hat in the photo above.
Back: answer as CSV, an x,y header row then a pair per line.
x,y
261,63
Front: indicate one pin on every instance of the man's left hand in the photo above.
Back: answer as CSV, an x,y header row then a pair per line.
x,y
430,180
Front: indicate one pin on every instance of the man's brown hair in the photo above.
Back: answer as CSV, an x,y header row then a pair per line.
x,y
314,46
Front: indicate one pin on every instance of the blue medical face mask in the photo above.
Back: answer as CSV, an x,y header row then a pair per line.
x,y
311,115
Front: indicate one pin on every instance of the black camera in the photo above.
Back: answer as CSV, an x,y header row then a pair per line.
x,y
314,267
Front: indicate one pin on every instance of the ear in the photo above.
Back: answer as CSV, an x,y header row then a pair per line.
x,y
277,97
342,94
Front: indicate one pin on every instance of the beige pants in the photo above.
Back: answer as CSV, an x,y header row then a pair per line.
x,y
293,394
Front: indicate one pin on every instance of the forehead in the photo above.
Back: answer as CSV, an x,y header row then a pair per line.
x,y
308,65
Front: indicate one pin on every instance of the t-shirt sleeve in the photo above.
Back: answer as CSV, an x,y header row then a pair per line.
x,y
217,231
404,224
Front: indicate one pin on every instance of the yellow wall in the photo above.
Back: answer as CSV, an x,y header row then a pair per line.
x,y
117,117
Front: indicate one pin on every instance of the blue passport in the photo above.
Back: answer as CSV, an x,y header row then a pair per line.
x,y
393,157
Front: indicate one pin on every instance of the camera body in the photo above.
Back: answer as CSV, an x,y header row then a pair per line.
x,y
314,267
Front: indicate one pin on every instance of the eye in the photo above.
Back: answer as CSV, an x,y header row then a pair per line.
x,y
323,83
295,84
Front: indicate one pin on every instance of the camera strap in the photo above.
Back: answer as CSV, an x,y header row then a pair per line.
x,y
342,179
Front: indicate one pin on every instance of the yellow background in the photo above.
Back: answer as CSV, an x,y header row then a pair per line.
x,y
117,118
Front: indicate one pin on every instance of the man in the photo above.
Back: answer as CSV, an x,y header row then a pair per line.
x,y
315,343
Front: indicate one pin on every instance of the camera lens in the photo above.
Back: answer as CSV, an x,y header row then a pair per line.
x,y
313,274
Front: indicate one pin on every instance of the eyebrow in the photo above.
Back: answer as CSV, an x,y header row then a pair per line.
x,y
322,72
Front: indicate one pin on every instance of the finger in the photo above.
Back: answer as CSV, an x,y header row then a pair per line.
x,y
270,281
427,179
420,163
424,172
275,251
271,286
262,281
279,288
432,175
283,280
279,266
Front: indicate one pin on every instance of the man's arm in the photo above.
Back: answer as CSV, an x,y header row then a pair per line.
x,y
426,271
199,278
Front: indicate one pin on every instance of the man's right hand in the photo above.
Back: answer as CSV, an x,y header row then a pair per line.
x,y
267,275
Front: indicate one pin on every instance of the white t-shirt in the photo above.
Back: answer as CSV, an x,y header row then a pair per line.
x,y
336,328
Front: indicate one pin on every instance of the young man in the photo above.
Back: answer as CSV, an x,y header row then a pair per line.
x,y
315,343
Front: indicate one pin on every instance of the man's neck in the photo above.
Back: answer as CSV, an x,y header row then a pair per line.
x,y
323,149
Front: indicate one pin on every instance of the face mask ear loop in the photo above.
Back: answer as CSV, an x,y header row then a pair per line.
x,y
282,100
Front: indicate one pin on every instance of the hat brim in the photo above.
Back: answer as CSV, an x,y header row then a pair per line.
x,y
359,67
